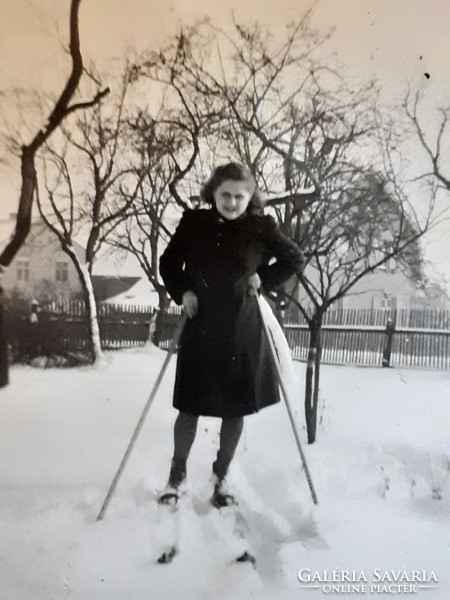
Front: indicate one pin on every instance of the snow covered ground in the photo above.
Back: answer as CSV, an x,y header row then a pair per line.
x,y
380,467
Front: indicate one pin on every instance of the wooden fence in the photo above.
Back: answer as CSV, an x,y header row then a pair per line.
x,y
359,345
171,322
400,338
363,337
404,318
350,336
61,328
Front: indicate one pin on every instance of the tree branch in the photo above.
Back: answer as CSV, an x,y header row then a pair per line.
x,y
57,115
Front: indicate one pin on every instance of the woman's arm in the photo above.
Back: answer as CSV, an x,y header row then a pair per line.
x,y
171,263
289,258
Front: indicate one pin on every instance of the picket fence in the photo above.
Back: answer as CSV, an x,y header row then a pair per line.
x,y
403,338
404,318
429,348
413,338
62,327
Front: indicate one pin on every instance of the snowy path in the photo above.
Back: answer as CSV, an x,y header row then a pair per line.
x,y
380,466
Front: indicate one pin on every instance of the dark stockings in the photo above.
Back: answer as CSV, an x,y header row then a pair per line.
x,y
230,433
184,435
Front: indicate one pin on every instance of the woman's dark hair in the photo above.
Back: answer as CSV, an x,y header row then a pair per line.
x,y
235,172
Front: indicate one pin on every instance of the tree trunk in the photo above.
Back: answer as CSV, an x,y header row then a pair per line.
x,y
164,303
91,308
21,232
60,111
312,379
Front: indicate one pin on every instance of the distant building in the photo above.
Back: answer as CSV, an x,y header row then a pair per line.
x,y
141,293
42,271
386,288
390,287
110,286
394,285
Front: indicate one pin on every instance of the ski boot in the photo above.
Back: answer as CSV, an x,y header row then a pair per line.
x,y
169,495
177,477
221,495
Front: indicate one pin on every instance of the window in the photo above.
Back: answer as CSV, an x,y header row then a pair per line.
x,y
383,303
62,271
388,303
23,269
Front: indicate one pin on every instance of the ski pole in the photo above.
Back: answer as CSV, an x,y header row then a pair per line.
x,y
286,400
140,423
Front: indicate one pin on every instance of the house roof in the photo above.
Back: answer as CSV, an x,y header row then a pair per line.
x,y
7,227
107,263
107,286
142,293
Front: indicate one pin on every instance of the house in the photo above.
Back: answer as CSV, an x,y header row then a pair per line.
x,y
42,271
111,286
389,287
141,293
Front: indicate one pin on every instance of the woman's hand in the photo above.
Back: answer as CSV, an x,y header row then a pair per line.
x,y
253,284
190,303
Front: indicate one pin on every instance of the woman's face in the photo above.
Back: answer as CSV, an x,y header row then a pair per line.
x,y
232,198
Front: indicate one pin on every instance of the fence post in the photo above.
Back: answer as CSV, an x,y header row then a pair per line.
x,y
34,306
280,311
33,330
390,330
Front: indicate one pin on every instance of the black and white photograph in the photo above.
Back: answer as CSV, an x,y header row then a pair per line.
x,y
224,299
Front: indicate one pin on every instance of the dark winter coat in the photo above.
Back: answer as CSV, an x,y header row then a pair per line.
x,y
224,365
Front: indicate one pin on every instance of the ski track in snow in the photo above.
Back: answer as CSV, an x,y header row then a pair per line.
x,y
380,467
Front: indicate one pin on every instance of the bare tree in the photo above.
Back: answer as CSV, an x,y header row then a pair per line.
x,y
315,143
142,233
357,228
153,151
61,109
166,142
435,145
90,189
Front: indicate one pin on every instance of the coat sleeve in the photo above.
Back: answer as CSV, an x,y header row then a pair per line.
x,y
288,257
172,262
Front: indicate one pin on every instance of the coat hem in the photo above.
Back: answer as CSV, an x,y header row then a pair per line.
x,y
224,415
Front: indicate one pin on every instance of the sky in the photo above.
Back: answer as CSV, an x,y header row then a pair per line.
x,y
396,41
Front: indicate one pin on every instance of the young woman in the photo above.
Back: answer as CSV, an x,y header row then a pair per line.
x,y
214,266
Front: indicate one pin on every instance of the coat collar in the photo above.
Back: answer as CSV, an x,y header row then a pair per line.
x,y
230,222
